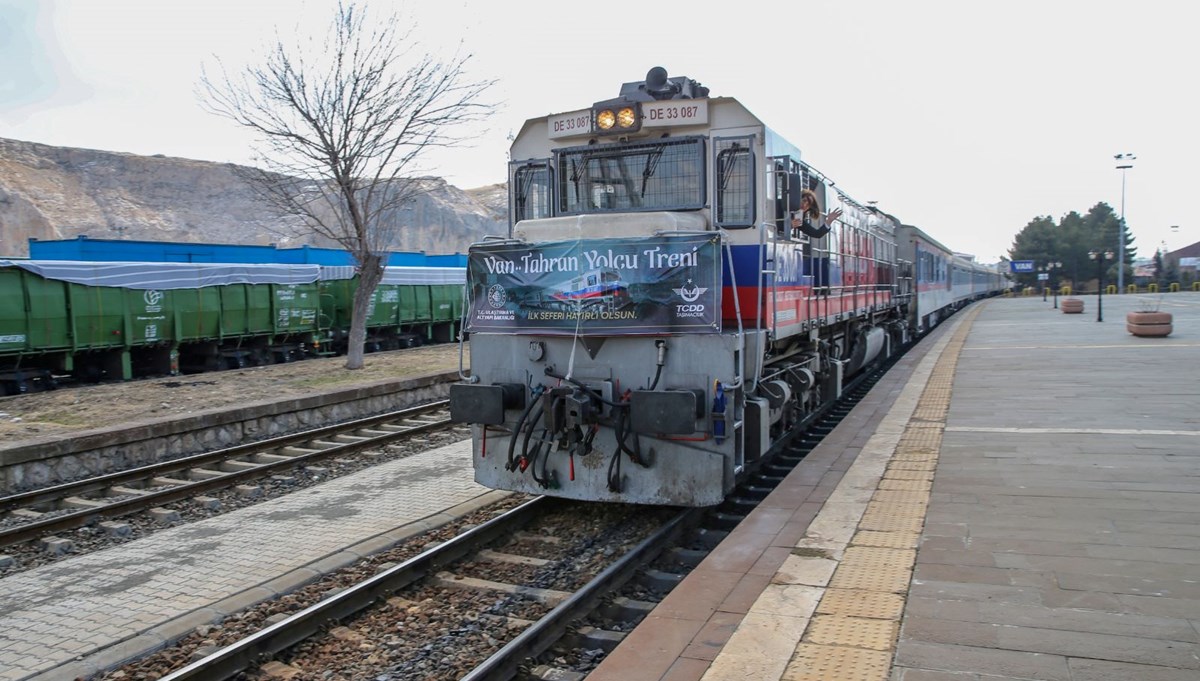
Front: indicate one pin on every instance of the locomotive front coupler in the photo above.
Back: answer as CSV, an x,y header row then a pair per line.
x,y
569,406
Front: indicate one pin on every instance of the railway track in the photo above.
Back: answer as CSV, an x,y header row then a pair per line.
x,y
34,514
560,632
486,559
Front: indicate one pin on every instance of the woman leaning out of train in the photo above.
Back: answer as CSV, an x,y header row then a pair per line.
x,y
809,211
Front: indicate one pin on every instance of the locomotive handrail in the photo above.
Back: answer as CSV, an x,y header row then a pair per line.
x,y
739,377
758,301
462,335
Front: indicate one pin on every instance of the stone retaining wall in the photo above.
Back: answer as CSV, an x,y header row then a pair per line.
x,y
95,452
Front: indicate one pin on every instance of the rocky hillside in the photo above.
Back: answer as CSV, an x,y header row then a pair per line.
x,y
59,193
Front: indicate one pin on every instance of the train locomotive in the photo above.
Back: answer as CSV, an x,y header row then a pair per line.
x,y
653,322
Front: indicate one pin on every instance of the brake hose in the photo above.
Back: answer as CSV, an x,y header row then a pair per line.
x,y
512,443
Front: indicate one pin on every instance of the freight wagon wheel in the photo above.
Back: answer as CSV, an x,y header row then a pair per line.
x,y
91,374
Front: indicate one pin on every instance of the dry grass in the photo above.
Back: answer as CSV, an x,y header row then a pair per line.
x,y
62,412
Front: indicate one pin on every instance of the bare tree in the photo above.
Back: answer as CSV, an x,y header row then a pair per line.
x,y
341,122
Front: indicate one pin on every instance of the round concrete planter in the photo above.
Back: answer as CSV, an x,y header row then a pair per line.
x,y
1071,305
1149,324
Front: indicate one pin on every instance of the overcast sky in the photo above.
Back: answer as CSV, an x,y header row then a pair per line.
x,y
967,119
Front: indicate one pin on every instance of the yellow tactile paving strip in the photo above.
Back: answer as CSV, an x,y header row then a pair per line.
x,y
852,633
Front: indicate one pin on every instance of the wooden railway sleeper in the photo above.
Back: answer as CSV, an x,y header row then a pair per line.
x,y
235,465
390,428
81,503
501,557
627,609
372,433
292,452
591,638
204,474
551,597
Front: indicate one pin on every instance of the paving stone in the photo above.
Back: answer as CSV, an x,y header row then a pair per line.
x,y
983,661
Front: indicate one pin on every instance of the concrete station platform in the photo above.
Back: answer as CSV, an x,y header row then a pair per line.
x,y
1018,499
79,615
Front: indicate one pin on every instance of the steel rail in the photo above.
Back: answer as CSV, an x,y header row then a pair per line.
x,y
544,633
236,657
82,517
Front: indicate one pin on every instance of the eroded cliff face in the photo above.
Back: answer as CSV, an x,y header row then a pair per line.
x,y
59,193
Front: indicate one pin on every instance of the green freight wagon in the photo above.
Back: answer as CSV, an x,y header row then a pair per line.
x,y
96,320
411,305
120,320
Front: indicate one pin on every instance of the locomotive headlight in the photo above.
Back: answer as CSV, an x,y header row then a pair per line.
x,y
616,116
627,117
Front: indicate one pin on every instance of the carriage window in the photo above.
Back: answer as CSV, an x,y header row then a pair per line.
x,y
659,175
735,183
531,192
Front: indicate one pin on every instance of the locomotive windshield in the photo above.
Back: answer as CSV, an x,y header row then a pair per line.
x,y
661,175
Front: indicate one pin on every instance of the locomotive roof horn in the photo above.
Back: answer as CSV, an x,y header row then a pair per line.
x,y
658,86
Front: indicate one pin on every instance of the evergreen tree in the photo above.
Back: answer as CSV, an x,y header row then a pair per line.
x,y
1069,242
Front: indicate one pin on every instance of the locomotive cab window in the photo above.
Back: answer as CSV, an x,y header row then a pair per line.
x,y
531,192
735,183
663,174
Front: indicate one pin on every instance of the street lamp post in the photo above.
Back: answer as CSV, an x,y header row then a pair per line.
x,y
1100,257
1124,162
1050,267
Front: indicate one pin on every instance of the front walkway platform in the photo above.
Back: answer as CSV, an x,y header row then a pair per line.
x,y
1018,499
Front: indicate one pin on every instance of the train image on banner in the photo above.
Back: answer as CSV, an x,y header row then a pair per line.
x,y
597,287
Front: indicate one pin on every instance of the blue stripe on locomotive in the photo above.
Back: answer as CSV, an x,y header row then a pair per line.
x,y
791,267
